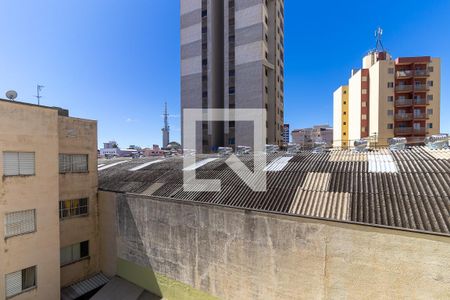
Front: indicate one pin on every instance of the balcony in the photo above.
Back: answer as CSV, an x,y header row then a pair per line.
x,y
420,101
403,130
403,117
404,88
412,73
403,102
420,87
420,116
421,73
419,131
405,74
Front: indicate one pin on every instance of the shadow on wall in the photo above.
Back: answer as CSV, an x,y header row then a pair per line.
x,y
139,272
135,266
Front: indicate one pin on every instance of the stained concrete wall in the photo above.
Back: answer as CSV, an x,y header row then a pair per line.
x,y
238,254
79,136
30,128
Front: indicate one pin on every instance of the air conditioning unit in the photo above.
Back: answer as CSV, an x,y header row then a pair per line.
x,y
397,143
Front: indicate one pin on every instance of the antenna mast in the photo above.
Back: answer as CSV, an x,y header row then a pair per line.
x,y
166,129
38,95
379,36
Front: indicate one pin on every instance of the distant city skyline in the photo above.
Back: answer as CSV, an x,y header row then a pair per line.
x,y
118,63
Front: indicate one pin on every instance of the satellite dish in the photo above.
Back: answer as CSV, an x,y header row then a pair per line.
x,y
11,95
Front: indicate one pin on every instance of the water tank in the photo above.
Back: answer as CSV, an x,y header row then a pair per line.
x,y
397,143
361,145
437,141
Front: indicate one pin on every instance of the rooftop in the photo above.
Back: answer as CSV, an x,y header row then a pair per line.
x,y
407,189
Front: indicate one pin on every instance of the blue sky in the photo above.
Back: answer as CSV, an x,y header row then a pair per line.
x,y
117,61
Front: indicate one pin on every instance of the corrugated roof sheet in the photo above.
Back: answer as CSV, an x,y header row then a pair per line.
x,y
408,188
83,287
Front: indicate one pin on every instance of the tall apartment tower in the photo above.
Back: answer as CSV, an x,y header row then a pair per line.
x,y
232,56
390,98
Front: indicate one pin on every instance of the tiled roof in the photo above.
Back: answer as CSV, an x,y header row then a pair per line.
x,y
408,189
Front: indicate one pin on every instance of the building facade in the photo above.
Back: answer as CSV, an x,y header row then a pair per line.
x,y
391,98
48,200
340,117
307,137
286,132
232,57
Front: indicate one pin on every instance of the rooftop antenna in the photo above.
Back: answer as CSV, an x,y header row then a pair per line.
x,y
379,36
38,96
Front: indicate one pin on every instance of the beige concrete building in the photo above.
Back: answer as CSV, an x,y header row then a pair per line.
x,y
307,137
47,160
391,98
340,117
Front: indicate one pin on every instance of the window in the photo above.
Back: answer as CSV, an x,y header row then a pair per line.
x,y
204,13
390,126
364,104
72,208
345,112
390,84
345,123
345,102
20,281
364,117
267,90
345,92
231,90
20,222
74,253
363,129
204,62
390,98
73,163
430,83
430,111
18,163
364,91
430,97
391,71
390,112
430,125
364,78
430,69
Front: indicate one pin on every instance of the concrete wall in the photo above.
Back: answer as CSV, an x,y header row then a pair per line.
x,y
238,254
31,129
78,136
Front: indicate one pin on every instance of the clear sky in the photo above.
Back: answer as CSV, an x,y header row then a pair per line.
x,y
117,61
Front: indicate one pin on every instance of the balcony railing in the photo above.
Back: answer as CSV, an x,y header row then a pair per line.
x,y
420,101
405,73
420,87
419,131
421,73
403,88
403,130
412,73
420,116
403,102
403,117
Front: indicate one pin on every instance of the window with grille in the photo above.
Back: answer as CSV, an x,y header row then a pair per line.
x,y
73,208
20,222
18,163
74,253
73,163
20,281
